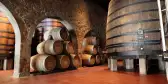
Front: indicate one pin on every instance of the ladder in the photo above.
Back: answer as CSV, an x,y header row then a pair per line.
x,y
165,54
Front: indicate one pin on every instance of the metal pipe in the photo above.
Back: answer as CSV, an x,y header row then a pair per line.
x,y
161,25
166,4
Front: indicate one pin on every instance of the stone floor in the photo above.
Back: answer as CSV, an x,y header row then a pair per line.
x,y
86,75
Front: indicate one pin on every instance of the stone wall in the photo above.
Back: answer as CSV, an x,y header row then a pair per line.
x,y
97,18
28,13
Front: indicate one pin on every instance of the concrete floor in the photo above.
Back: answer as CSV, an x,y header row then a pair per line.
x,y
86,75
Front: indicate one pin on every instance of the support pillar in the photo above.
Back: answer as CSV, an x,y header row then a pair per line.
x,y
109,62
5,64
166,67
161,64
8,64
129,64
22,63
142,66
113,64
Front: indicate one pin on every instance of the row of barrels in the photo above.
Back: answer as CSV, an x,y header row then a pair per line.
x,y
44,62
91,60
53,47
54,54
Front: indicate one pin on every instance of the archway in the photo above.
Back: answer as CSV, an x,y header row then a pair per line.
x,y
17,38
47,24
41,35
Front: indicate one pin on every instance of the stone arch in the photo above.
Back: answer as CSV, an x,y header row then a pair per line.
x,y
12,20
63,21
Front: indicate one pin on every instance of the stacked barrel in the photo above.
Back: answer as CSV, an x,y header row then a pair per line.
x,y
92,52
55,51
69,50
89,46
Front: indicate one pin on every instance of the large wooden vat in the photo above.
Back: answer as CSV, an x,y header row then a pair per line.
x,y
42,62
75,61
7,37
133,28
88,59
90,49
50,47
63,61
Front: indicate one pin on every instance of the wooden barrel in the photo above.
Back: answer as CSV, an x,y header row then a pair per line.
x,y
57,33
40,48
46,25
75,61
98,59
73,39
53,47
89,41
90,49
88,59
47,35
63,61
42,62
133,28
69,48
60,34
7,37
50,47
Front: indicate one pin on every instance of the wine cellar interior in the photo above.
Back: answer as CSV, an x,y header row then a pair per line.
x,y
84,41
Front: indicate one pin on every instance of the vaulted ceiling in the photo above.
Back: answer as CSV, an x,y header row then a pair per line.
x,y
102,3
